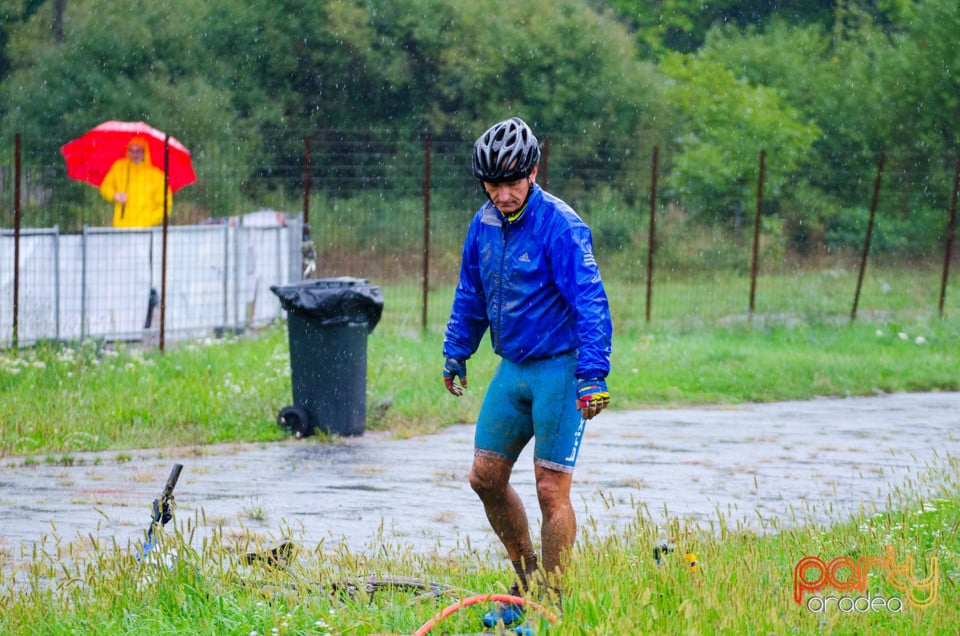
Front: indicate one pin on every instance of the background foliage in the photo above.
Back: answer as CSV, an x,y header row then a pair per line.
x,y
823,86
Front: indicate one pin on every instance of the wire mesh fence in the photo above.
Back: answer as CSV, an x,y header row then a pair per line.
x,y
393,207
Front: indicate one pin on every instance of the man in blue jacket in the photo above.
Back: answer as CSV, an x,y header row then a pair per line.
x,y
529,275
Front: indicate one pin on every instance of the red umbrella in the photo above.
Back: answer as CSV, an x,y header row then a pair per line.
x,y
90,156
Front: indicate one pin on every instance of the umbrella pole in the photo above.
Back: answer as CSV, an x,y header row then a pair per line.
x,y
126,191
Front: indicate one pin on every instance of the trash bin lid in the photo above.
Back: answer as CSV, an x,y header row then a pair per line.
x,y
333,301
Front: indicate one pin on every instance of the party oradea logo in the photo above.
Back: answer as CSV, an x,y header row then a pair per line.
x,y
848,577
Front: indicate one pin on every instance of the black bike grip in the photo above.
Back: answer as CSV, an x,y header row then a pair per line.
x,y
172,481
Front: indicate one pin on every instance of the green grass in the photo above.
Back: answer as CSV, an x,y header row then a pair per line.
x,y
744,584
59,400
65,398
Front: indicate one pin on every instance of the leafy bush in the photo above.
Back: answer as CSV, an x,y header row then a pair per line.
x,y
894,236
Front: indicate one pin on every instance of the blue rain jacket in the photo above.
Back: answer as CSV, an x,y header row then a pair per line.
x,y
536,284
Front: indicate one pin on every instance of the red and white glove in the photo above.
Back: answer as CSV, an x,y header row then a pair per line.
x,y
451,371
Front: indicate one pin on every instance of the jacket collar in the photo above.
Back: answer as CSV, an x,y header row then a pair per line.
x,y
533,199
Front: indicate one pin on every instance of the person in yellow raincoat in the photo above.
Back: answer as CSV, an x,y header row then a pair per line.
x,y
135,186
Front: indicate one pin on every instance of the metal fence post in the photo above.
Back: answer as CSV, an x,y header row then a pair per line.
x,y
756,234
951,227
226,284
83,282
279,234
651,240
426,230
544,171
866,242
163,256
237,293
56,279
307,182
16,240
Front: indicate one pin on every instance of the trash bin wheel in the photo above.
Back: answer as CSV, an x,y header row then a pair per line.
x,y
296,420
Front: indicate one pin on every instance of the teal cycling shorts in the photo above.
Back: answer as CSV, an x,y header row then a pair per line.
x,y
532,400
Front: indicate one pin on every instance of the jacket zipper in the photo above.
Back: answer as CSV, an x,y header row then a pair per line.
x,y
503,258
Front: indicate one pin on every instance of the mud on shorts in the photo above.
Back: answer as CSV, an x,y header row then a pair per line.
x,y
537,400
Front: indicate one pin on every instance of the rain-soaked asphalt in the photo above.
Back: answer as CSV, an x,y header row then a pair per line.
x,y
823,457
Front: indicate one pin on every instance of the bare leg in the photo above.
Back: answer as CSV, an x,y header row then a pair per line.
x,y
559,521
490,479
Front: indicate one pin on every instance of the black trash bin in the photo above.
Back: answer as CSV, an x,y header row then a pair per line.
x,y
328,321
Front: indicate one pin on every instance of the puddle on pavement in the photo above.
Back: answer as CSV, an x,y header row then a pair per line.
x,y
822,458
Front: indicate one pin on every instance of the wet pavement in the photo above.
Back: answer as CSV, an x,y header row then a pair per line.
x,y
791,460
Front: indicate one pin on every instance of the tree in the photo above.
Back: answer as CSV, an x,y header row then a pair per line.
x,y
13,13
123,60
682,25
872,88
727,122
258,74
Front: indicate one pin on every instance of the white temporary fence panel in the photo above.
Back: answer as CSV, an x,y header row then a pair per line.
x,y
97,284
39,274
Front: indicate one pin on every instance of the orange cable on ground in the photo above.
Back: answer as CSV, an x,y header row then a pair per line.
x,y
482,598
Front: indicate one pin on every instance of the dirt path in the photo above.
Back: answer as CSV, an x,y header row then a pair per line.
x,y
823,457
